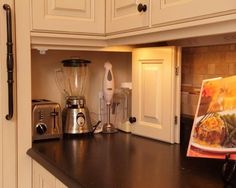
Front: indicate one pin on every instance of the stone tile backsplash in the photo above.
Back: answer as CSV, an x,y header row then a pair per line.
x,y
199,63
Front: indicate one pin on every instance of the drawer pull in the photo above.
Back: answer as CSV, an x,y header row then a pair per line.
x,y
132,119
142,7
10,61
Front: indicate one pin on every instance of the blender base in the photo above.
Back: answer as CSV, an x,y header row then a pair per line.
x,y
108,128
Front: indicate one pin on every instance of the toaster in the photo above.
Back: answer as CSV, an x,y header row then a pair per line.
x,y
46,120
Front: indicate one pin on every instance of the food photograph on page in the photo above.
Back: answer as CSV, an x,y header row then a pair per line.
x,y
213,133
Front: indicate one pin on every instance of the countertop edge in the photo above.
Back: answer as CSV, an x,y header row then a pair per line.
x,y
64,178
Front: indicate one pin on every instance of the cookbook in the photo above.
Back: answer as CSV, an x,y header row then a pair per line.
x,y
213,133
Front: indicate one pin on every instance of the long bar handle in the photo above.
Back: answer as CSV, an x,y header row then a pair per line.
x,y
10,61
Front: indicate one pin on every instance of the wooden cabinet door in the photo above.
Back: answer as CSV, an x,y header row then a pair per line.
x,y
155,93
8,148
123,15
84,16
59,184
44,179
165,12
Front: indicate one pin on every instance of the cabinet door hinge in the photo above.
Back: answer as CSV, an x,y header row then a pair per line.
x,y
177,71
176,120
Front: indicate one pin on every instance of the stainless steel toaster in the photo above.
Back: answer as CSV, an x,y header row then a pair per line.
x,y
46,120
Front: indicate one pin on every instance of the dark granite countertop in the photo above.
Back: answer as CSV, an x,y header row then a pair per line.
x,y
123,160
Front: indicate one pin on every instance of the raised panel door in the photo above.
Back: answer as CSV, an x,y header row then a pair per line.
x,y
165,12
42,178
84,16
59,184
123,15
154,93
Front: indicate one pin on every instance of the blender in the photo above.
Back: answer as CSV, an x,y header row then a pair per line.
x,y
71,80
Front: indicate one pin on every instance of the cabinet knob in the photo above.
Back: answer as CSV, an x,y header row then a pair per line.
x,y
41,128
132,119
142,7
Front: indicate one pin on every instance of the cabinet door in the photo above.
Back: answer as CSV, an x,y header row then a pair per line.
x,y
155,93
123,15
84,16
176,11
43,179
59,184
8,148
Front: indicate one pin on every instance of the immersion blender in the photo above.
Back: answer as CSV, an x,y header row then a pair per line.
x,y
108,91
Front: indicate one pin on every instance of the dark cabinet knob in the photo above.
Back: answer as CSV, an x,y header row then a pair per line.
x,y
142,7
132,119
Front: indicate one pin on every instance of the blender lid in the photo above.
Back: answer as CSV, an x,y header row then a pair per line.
x,y
75,62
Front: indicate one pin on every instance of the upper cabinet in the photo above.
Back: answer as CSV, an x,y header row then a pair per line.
x,y
125,15
84,16
165,12
91,24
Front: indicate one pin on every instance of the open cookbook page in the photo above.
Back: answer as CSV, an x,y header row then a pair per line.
x,y
214,128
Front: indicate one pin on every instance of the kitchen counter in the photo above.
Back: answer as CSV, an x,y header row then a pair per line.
x,y
123,160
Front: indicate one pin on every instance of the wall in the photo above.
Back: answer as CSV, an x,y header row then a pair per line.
x,y
200,63
44,66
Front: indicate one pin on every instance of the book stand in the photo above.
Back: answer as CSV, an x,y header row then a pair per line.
x,y
228,169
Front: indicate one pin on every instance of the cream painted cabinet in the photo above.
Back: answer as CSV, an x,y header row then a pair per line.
x,y
84,16
8,138
123,15
165,12
44,179
155,93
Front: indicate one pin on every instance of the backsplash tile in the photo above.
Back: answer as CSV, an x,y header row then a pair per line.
x,y
206,62
232,68
211,68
